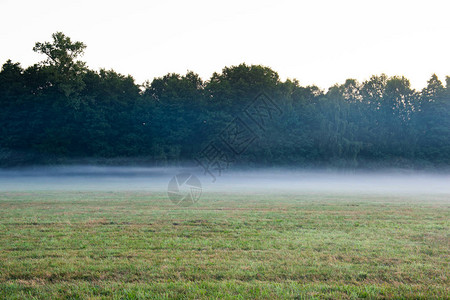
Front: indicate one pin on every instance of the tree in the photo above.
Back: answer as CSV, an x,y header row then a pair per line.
x,y
179,114
62,64
434,122
62,53
237,85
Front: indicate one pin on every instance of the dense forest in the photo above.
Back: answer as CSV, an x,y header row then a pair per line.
x,y
60,111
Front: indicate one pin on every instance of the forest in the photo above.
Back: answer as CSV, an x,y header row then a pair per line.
x,y
60,111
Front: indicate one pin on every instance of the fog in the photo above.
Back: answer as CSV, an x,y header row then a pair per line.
x,y
85,178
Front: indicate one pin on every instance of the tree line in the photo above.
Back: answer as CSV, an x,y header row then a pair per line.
x,y
59,110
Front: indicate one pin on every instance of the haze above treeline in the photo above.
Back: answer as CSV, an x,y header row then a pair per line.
x,y
59,111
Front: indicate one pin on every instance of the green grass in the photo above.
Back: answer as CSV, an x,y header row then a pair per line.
x,y
138,245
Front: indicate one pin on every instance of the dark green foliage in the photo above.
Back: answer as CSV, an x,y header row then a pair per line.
x,y
59,109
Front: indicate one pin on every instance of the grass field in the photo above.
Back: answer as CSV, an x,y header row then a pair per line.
x,y
136,245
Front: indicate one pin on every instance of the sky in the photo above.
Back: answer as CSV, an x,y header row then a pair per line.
x,y
320,42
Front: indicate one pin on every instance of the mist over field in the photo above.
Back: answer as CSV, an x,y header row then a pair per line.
x,y
253,181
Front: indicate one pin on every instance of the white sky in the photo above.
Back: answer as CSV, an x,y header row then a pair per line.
x,y
318,42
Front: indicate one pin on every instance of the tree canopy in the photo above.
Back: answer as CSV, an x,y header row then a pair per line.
x,y
59,111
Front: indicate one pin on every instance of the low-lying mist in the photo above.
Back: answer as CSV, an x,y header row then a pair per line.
x,y
83,178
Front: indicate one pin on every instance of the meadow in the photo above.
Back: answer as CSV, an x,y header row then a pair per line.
x,y
139,245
